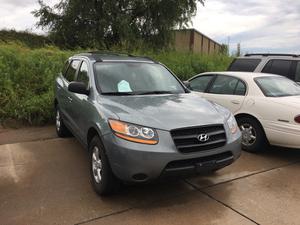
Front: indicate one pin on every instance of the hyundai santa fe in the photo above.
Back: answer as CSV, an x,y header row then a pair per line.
x,y
139,122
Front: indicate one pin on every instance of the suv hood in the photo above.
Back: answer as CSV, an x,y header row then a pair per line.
x,y
165,112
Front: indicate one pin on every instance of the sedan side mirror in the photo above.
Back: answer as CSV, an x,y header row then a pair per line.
x,y
187,84
78,87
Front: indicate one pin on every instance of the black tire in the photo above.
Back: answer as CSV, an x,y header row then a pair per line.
x,y
61,129
251,127
106,183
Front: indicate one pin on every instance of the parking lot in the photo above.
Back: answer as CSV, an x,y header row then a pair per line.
x,y
45,180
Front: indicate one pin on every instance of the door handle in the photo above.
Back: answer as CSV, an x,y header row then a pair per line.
x,y
236,102
70,99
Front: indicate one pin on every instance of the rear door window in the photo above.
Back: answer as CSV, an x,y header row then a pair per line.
x,y
201,83
244,65
277,66
240,89
70,74
224,85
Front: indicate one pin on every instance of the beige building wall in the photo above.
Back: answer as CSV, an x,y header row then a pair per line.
x,y
197,43
182,40
192,40
205,48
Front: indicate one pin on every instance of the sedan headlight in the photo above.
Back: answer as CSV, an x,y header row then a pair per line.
x,y
232,124
134,133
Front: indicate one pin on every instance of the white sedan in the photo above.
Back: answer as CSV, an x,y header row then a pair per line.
x,y
266,106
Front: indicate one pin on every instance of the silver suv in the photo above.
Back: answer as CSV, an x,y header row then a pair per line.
x,y
139,122
287,65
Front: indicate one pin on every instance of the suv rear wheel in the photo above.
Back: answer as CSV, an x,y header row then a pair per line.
x,y
103,180
61,129
253,136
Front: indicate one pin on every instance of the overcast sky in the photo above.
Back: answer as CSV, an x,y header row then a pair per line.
x,y
259,25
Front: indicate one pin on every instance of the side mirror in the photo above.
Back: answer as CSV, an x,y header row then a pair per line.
x,y
187,84
78,87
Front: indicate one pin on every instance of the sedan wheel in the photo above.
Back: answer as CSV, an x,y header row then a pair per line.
x,y
248,134
253,135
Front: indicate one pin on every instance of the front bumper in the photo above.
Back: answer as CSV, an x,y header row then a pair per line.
x,y
133,162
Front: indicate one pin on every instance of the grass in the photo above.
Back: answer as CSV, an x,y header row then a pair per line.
x,y
27,77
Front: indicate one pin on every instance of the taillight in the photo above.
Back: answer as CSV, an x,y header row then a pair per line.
x,y
297,119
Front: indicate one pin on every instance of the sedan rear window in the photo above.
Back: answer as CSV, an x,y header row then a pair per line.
x,y
244,65
277,86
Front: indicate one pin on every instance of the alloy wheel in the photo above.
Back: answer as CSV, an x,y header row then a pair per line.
x,y
58,120
97,165
248,134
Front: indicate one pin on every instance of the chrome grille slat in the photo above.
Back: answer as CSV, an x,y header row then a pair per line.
x,y
186,139
200,145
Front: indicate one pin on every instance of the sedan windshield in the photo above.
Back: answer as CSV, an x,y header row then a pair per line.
x,y
127,78
278,86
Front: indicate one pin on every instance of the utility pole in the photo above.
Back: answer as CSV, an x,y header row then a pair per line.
x,y
238,52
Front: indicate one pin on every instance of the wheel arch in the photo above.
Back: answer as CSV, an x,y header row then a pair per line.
x,y
92,132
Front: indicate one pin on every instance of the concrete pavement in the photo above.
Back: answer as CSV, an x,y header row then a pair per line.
x,y
47,182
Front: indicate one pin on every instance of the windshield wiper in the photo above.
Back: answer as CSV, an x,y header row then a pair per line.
x,y
154,92
118,93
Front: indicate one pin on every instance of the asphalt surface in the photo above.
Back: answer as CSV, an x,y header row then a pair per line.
x,y
45,180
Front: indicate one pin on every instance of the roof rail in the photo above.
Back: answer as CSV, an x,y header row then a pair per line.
x,y
272,54
111,53
116,54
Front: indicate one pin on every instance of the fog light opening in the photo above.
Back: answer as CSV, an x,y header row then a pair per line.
x,y
140,177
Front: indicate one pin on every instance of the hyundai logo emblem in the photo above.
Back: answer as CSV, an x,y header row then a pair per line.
x,y
203,137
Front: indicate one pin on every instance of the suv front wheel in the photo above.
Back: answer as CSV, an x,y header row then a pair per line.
x,y
103,180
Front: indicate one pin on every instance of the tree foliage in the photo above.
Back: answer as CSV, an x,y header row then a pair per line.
x,y
106,23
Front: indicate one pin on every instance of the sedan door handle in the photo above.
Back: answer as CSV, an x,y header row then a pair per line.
x,y
236,102
70,99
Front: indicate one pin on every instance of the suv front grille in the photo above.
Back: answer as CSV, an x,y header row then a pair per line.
x,y
186,139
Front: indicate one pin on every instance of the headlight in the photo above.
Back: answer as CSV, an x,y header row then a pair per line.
x,y
232,124
134,133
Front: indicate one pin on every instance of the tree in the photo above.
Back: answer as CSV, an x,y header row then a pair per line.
x,y
106,23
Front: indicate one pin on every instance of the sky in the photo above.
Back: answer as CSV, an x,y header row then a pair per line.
x,y
258,25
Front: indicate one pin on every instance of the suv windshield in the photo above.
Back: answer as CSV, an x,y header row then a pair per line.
x,y
128,78
277,86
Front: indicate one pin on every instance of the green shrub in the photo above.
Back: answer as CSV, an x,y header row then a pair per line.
x,y
27,77
29,39
26,82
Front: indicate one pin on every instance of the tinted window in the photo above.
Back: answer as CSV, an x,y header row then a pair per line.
x,y
70,75
280,67
240,88
297,77
224,85
245,65
83,74
200,83
65,67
